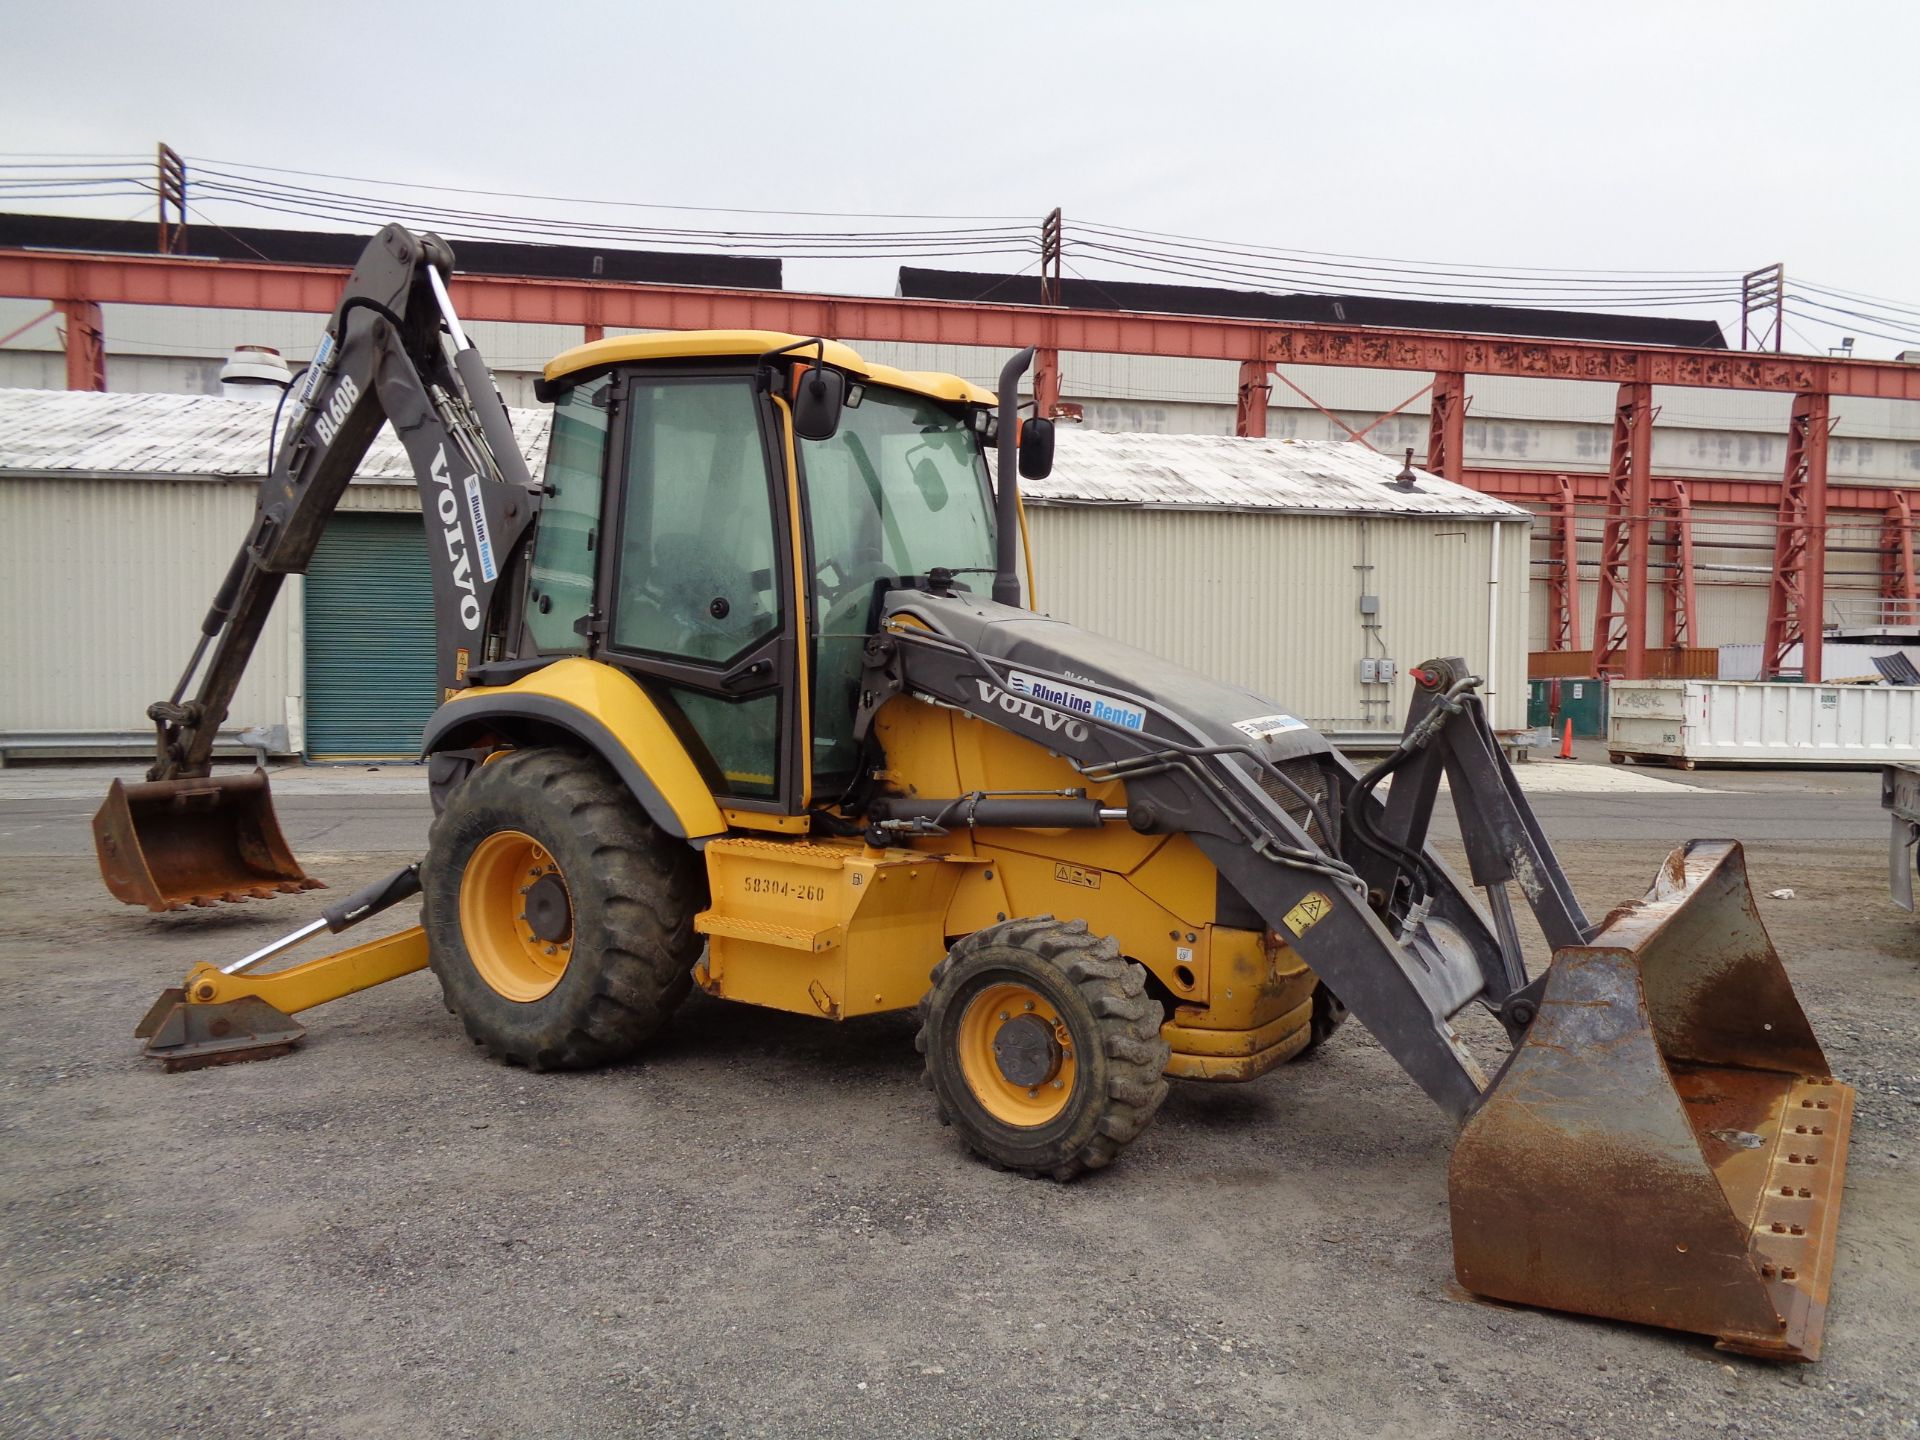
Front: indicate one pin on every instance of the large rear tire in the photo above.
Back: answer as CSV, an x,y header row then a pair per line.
x,y
1043,1047
559,918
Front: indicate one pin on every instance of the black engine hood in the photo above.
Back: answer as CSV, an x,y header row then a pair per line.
x,y
1093,675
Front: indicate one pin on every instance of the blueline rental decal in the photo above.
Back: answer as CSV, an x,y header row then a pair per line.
x,y
483,542
1081,702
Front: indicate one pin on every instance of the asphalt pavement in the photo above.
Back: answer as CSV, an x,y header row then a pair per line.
x,y
760,1227
356,809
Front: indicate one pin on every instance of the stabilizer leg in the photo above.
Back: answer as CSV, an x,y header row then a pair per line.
x,y
222,1015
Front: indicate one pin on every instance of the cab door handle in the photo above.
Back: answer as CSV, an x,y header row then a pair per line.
x,y
746,676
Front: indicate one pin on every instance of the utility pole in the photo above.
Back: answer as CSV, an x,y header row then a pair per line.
x,y
171,188
1763,294
1046,366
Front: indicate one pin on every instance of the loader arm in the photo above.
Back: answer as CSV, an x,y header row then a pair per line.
x,y
1663,1141
185,838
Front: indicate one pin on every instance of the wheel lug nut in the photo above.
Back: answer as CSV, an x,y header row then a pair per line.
x,y
1059,1084
1033,1094
1005,1016
1029,1005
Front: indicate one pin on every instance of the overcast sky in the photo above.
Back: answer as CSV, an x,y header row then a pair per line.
x,y
1679,136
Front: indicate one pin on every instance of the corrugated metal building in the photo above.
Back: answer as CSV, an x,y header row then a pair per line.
x,y
1247,559
118,516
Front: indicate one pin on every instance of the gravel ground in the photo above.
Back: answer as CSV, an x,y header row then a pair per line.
x,y
761,1230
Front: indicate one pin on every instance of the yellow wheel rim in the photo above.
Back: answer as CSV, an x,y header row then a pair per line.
x,y
999,1030
502,942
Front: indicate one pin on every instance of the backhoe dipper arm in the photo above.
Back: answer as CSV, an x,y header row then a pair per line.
x,y
383,359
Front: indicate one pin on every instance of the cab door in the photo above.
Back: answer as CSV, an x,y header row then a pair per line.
x,y
698,586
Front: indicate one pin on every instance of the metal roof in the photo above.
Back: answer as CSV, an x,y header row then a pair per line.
x,y
1229,473
83,432
331,247
1150,298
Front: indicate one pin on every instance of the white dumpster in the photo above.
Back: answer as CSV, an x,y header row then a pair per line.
x,y
1737,722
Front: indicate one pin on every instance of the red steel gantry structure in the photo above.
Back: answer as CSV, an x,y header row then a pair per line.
x,y
77,284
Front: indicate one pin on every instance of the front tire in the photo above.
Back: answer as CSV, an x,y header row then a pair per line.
x,y
1328,1016
1042,1047
559,918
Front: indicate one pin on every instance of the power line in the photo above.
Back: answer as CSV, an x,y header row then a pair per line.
x,y
1855,315
1333,285
39,176
1465,265
1856,329
578,200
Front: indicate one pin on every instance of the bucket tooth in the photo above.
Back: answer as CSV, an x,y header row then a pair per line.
x,y
185,1036
1649,1151
169,844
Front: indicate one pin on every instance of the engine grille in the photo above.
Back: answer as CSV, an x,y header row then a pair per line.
x,y
1307,773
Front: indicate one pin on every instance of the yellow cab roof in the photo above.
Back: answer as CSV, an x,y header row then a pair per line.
x,y
714,344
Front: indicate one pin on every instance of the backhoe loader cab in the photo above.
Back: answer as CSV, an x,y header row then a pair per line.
x,y
741,693
691,537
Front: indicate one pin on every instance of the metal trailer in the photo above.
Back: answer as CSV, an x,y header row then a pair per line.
x,y
1731,722
1900,795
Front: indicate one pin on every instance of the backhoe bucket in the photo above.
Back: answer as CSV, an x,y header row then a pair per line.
x,y
1666,1144
169,844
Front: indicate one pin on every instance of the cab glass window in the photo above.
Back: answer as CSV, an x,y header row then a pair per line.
x,y
742,738
696,582
560,579
899,490
697,573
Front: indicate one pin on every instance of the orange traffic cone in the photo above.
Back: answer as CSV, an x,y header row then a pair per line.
x,y
1566,742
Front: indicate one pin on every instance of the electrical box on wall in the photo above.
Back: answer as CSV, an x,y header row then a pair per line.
x,y
1369,671
1386,670
1369,604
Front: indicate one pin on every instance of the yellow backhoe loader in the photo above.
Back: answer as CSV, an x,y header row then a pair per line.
x,y
741,694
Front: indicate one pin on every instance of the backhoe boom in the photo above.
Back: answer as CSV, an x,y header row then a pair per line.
x,y
384,359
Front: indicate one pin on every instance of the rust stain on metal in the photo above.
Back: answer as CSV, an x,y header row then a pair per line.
x,y
184,1035
1650,1152
169,844
823,1001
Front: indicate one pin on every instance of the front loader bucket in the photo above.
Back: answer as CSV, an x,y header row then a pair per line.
x,y
1666,1144
168,844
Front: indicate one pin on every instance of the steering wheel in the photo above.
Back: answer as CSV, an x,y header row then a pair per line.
x,y
852,573
844,607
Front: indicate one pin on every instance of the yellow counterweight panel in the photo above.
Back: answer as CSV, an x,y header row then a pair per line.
x,y
602,694
1251,1053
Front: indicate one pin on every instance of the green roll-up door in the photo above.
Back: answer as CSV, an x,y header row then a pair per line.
x,y
369,640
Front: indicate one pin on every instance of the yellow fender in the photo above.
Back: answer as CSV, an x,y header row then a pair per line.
x,y
602,708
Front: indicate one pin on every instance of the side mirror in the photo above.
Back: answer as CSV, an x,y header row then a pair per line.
x,y
1036,448
933,490
817,403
